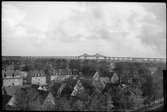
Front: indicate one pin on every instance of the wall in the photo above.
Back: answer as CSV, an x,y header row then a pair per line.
x,y
38,80
12,82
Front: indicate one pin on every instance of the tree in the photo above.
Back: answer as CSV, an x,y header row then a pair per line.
x,y
98,103
67,105
25,98
157,85
78,105
54,88
74,64
21,100
109,102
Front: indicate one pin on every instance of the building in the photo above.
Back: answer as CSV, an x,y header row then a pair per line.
x,y
61,74
12,101
38,77
78,89
12,78
54,74
45,101
114,78
59,78
5,98
75,72
49,100
97,82
96,76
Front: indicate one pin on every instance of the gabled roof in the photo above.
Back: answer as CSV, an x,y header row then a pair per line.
x,y
78,88
12,101
5,99
43,95
49,99
87,84
96,76
114,78
40,88
61,88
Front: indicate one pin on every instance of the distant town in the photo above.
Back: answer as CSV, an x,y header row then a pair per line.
x,y
45,83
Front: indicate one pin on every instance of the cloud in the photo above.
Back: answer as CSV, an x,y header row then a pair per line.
x,y
57,28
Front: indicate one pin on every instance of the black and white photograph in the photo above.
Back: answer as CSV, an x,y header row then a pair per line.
x,y
83,56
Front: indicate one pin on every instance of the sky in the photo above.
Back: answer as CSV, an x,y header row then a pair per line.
x,y
116,29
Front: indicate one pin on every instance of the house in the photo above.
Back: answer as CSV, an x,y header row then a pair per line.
x,y
98,84
54,74
66,88
12,101
10,67
75,72
12,78
60,89
38,77
65,71
11,90
78,89
114,78
49,102
60,78
103,80
96,76
5,98
88,86
61,74
44,100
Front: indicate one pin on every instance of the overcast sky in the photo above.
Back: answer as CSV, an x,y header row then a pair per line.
x,y
74,28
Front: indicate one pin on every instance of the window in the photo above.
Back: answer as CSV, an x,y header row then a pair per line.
x,y
4,74
13,75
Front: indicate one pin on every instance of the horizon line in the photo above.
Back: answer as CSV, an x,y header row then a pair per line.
x,y
87,56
